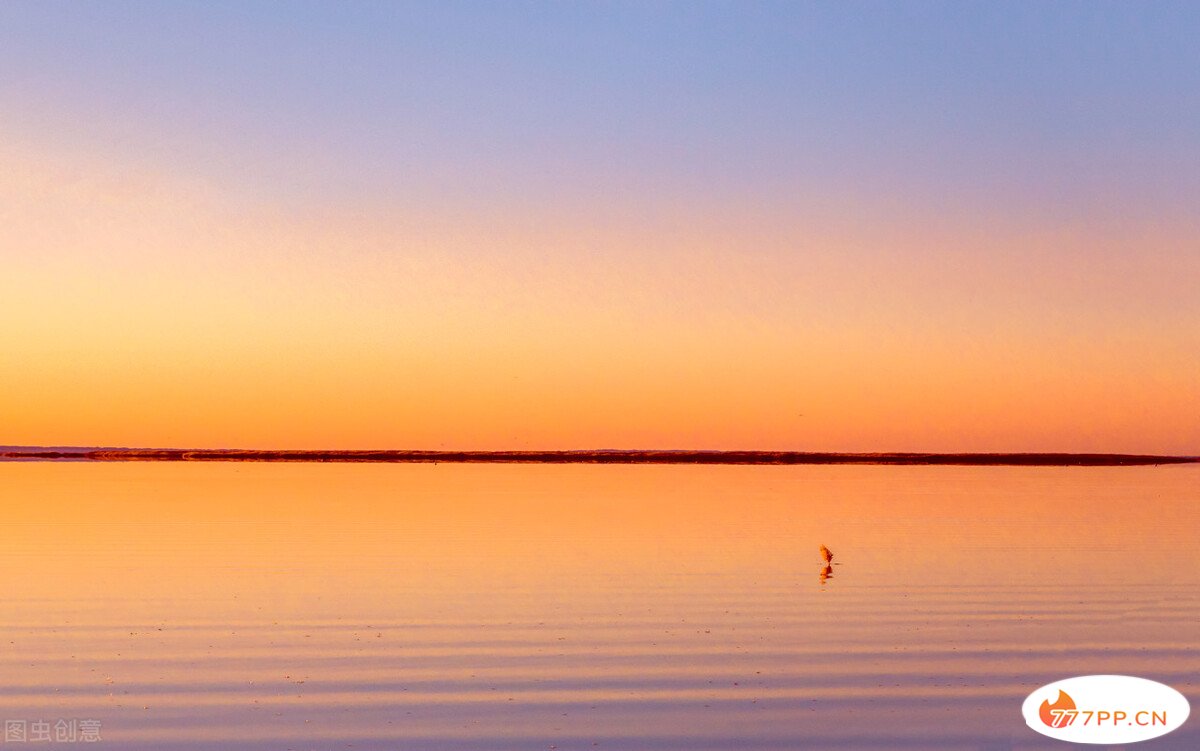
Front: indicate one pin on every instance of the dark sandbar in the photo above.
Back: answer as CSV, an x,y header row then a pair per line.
x,y
592,457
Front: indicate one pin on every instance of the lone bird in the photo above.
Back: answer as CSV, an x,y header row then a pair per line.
x,y
826,554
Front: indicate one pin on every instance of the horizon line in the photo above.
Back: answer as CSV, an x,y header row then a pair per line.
x,y
589,456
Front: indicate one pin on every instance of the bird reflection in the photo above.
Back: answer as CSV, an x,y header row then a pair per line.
x,y
827,568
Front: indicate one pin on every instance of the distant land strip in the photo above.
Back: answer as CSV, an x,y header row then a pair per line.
x,y
604,456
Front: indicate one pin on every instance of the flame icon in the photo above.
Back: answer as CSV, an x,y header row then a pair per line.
x,y
1063,702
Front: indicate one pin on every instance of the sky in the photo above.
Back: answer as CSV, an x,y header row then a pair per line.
x,y
836,226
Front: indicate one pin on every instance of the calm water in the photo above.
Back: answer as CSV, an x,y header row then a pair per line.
x,y
443,607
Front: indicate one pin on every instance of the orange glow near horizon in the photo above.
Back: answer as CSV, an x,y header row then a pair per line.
x,y
145,308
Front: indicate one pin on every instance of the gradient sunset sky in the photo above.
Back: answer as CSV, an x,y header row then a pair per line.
x,y
837,226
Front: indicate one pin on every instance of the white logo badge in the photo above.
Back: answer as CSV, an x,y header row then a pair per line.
x,y
1105,709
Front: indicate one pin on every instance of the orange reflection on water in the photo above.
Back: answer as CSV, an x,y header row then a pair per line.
x,y
173,526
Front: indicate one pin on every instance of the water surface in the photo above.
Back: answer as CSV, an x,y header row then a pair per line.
x,y
443,607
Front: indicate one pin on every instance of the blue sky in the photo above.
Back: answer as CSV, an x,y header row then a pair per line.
x,y
959,103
